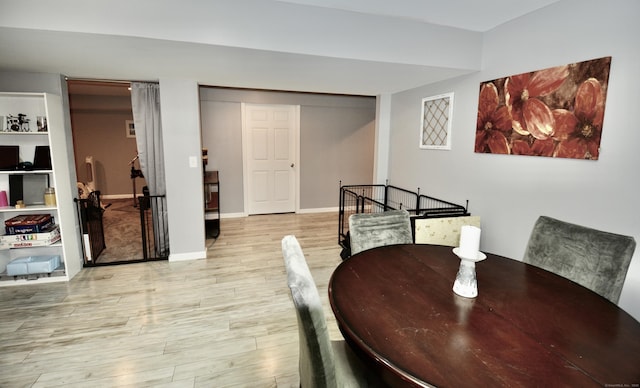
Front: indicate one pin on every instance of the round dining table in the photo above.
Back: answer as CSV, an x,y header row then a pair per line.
x,y
527,327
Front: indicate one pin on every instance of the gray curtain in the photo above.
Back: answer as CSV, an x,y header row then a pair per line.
x,y
145,102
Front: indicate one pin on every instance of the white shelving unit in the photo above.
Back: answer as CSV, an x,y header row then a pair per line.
x,y
61,177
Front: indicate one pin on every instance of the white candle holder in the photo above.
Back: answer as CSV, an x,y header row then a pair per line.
x,y
466,284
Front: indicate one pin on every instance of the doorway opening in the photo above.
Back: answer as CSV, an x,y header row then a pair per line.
x,y
113,205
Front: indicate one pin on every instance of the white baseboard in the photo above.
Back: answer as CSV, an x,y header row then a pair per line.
x,y
319,210
301,211
233,215
188,256
117,196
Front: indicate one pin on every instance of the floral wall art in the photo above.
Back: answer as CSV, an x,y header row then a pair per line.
x,y
556,112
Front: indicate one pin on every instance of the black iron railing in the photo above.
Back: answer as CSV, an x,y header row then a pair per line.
x,y
379,198
91,227
154,227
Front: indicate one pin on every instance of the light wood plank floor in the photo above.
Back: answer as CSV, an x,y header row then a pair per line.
x,y
227,321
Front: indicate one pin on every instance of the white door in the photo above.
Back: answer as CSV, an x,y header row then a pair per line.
x,y
270,152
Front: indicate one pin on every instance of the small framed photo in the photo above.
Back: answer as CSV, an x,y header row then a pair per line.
x,y
130,128
435,129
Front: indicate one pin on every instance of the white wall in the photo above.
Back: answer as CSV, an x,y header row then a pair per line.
x,y
510,192
383,135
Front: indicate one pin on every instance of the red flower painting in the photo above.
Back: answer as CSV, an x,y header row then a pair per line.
x,y
494,122
555,112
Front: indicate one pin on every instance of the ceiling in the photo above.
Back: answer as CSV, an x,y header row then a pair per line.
x,y
474,15
362,47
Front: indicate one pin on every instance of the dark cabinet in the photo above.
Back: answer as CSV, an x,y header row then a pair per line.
x,y
211,204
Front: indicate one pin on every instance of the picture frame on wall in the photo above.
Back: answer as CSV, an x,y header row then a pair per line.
x,y
435,128
556,112
130,129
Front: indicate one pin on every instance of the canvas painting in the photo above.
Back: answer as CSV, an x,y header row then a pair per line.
x,y
556,112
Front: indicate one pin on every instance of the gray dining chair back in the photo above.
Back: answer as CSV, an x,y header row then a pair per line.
x,y
370,230
442,230
592,258
323,363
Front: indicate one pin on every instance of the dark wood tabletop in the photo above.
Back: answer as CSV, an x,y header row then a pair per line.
x,y
527,327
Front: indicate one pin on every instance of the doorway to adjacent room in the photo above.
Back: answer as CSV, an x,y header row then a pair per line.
x,y
106,158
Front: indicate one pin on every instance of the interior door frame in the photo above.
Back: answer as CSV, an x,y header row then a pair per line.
x,y
245,153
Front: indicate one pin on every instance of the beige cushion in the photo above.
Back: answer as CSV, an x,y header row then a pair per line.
x,y
442,231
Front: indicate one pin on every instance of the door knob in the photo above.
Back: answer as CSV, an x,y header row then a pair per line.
x,y
292,165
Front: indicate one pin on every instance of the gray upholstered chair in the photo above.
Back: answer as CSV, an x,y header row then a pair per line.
x,y
592,258
442,230
323,363
370,230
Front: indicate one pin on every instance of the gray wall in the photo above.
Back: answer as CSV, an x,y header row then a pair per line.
x,y
510,192
32,82
184,187
336,142
98,124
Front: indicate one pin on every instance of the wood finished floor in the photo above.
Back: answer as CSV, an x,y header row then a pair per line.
x,y
227,321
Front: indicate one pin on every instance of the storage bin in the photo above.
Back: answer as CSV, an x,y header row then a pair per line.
x,y
33,265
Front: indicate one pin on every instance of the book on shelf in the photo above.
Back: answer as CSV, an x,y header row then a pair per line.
x,y
25,240
30,223
33,243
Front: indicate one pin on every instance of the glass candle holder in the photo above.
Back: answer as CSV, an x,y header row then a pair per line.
x,y
50,196
466,283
